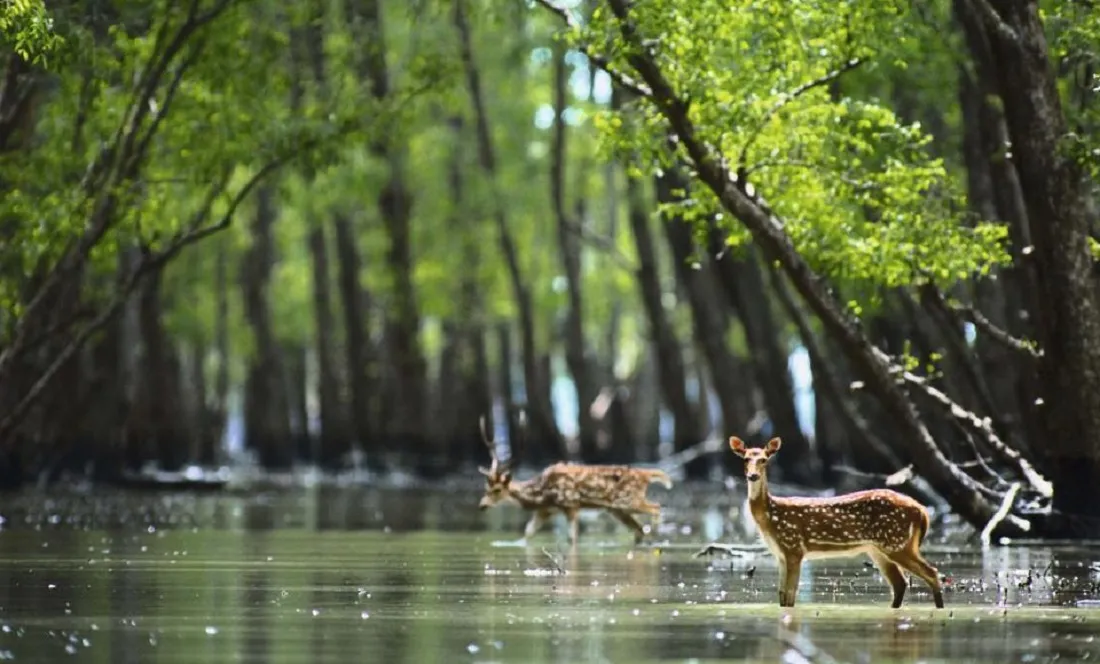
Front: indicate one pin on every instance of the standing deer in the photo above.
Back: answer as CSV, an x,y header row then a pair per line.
x,y
886,525
569,488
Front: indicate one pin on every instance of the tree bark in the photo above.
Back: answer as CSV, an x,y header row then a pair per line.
x,y
221,343
160,380
1056,196
267,422
294,360
355,303
994,190
333,444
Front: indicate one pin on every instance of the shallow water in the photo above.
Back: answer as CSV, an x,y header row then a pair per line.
x,y
389,576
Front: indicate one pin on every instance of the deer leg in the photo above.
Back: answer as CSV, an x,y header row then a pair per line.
x,y
538,520
574,525
794,571
892,573
630,522
919,567
790,569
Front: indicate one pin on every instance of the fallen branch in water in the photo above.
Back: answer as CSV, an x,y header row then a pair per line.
x,y
554,561
1000,515
983,426
920,488
684,457
731,550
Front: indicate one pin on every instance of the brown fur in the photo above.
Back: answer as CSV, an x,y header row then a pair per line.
x,y
568,488
886,525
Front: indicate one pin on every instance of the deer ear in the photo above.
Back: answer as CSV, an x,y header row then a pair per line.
x,y
738,446
773,446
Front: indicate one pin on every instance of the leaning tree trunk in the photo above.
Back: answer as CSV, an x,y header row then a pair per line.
x,y
963,493
1056,195
543,428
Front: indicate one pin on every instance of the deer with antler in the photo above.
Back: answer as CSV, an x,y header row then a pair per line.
x,y
568,488
886,525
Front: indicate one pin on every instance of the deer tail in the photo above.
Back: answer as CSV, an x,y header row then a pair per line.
x,y
922,528
660,477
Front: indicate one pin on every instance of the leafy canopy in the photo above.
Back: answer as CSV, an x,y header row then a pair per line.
x,y
861,194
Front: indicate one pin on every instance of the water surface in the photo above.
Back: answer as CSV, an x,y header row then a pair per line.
x,y
336,575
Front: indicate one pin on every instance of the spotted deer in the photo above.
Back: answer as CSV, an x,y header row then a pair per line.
x,y
886,525
568,488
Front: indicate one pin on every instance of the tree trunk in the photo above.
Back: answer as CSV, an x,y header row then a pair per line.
x,y
221,343
294,358
355,304
160,380
507,384
988,158
569,249
1056,195
266,417
405,420
743,284
544,434
670,361
711,322
201,418
333,444
444,422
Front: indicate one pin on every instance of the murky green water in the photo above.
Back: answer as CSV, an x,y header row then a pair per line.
x,y
386,576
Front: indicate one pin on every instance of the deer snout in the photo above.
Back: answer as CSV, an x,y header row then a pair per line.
x,y
484,504
752,477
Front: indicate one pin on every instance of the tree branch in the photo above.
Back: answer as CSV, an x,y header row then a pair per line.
x,y
985,325
1002,512
603,243
993,20
600,61
982,426
785,99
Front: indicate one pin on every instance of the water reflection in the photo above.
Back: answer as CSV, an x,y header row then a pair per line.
x,y
333,575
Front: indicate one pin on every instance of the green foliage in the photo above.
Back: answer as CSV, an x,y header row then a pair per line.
x,y
861,192
28,28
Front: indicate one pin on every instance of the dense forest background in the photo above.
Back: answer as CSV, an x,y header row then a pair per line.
x,y
336,232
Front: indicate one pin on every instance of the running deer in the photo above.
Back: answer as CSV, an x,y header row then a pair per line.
x,y
886,525
569,488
